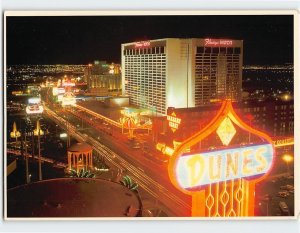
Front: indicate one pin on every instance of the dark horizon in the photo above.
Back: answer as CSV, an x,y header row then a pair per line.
x,y
46,40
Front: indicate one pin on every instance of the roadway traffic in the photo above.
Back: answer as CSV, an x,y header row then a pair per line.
x,y
177,206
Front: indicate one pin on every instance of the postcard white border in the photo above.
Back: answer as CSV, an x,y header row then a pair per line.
x,y
243,12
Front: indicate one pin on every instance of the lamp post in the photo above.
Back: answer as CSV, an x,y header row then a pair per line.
x,y
26,160
287,158
39,150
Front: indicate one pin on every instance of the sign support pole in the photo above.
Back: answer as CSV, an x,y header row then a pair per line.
x,y
198,207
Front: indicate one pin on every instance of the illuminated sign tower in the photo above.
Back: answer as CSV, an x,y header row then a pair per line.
x,y
221,179
181,73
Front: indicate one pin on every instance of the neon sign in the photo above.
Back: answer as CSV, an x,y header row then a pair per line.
x,y
68,84
222,182
284,142
68,99
218,42
206,168
226,131
174,121
34,109
61,90
34,100
142,44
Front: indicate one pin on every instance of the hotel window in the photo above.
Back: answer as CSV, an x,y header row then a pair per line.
x,y
200,49
229,50
223,50
237,50
207,50
215,50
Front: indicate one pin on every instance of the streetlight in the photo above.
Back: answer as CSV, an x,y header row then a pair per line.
x,y
287,158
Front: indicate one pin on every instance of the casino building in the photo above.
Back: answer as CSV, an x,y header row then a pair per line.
x,y
181,73
275,117
103,79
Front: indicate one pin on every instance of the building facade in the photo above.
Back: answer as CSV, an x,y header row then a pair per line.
x,y
181,73
103,79
274,117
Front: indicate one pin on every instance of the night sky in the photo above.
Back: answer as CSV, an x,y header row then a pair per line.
x,y
83,39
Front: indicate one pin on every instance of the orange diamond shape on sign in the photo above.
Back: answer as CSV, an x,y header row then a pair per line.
x,y
226,131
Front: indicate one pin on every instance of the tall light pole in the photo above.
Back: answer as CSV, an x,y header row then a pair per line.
x,y
40,164
26,160
38,132
32,144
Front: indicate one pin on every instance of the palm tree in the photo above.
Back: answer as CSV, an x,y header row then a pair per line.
x,y
129,183
81,174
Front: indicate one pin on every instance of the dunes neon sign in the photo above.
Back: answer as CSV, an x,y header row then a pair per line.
x,y
222,182
207,168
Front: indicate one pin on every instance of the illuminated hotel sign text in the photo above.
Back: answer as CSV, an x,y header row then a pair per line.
x,y
211,167
218,42
284,142
142,44
174,121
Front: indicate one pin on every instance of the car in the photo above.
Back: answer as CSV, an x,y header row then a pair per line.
x,y
160,161
287,187
283,194
284,208
136,145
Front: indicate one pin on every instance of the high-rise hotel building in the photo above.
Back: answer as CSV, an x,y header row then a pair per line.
x,y
181,73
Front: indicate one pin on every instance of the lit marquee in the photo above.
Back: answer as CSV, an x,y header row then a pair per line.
x,y
174,121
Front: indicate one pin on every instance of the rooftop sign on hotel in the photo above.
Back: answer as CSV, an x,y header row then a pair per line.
x,y
142,44
217,42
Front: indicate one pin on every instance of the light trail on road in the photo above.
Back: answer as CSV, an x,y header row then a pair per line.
x,y
170,200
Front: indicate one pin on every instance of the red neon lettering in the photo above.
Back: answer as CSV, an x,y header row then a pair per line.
x,y
142,44
211,42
